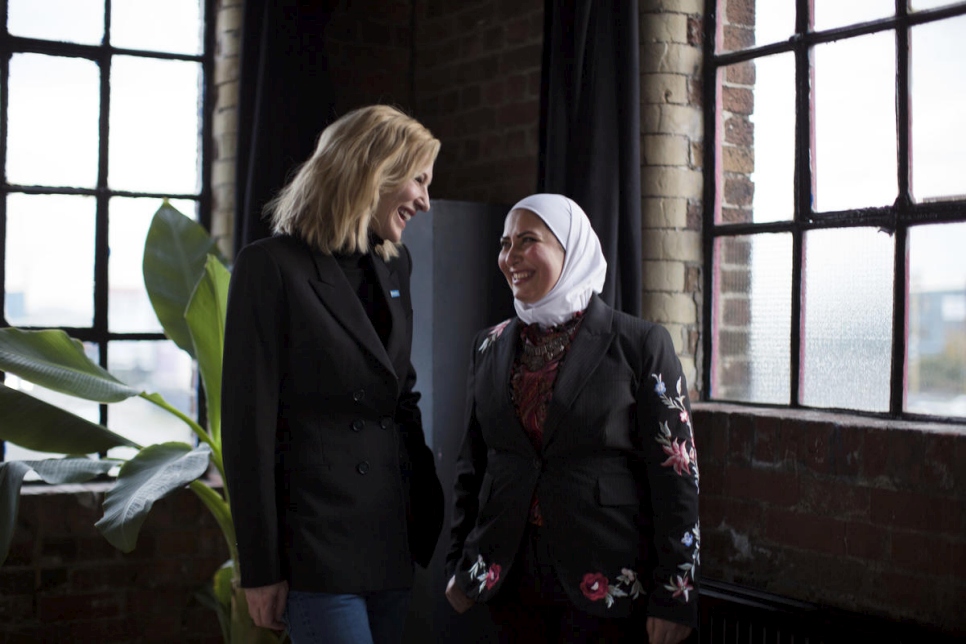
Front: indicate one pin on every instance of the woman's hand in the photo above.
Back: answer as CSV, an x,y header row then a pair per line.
x,y
661,631
266,605
456,597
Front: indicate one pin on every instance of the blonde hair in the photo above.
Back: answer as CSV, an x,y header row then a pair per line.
x,y
364,154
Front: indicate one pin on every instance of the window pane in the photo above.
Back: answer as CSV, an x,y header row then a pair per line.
x,y
752,318
936,358
53,118
155,125
855,123
758,147
80,21
847,309
86,409
157,25
742,24
836,13
938,105
129,309
154,367
49,260
919,5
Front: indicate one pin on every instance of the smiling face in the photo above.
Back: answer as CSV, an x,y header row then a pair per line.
x,y
531,257
399,206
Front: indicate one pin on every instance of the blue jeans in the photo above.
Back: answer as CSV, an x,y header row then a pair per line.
x,y
370,618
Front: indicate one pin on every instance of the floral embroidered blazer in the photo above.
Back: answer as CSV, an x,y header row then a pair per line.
x,y
617,476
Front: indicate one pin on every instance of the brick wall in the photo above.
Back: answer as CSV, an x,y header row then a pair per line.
x,y
671,181
478,90
864,515
63,582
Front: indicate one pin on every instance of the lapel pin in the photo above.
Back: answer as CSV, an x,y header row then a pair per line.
x,y
394,293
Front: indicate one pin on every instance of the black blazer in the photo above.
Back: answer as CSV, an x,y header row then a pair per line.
x,y
616,478
332,485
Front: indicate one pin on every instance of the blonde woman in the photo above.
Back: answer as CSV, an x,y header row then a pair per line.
x,y
334,493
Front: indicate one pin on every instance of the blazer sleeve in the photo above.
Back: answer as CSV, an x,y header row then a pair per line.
x,y
470,467
665,430
426,492
250,393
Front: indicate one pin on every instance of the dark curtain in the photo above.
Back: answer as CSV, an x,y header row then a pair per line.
x,y
590,129
285,100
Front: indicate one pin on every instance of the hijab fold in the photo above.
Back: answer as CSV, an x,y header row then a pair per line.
x,y
584,267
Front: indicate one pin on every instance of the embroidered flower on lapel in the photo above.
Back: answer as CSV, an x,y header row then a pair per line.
x,y
493,335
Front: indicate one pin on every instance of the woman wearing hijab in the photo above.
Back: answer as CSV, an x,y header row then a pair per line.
x,y
575,512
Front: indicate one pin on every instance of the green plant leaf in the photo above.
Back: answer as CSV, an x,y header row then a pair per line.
x,y
54,360
153,473
217,597
205,316
175,253
72,469
11,479
54,470
40,426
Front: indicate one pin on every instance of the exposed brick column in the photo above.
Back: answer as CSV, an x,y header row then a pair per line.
x,y
671,179
228,23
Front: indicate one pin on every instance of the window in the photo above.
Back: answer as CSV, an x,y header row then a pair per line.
x,y
835,205
102,116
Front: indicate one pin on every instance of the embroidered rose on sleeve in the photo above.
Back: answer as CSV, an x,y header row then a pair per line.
x,y
492,576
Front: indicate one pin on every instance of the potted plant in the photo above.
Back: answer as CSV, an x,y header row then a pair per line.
x,y
187,282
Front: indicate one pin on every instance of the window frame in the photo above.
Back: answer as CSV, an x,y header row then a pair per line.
x,y
895,219
102,55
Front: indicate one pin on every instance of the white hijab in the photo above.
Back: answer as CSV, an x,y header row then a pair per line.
x,y
584,267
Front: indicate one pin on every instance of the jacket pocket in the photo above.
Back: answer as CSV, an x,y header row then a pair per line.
x,y
616,489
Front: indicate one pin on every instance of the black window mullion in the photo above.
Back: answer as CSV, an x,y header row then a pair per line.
x,y
902,207
710,189
802,190
101,243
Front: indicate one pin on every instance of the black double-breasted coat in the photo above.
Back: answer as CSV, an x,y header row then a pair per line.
x,y
616,478
332,485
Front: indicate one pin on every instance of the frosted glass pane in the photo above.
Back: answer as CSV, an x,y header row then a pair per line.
x,y
129,308
847,307
742,24
936,351
757,152
155,125
155,367
855,123
53,116
49,277
752,318
80,21
919,5
938,105
158,25
836,13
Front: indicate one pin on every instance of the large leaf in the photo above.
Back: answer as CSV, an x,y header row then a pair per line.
x,y
54,360
175,253
153,473
55,471
11,478
206,322
40,426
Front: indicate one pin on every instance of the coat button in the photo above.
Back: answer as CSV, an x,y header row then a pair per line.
x,y
358,395
385,423
358,424
537,464
363,467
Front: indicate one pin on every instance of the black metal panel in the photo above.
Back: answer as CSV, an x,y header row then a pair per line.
x,y
457,290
